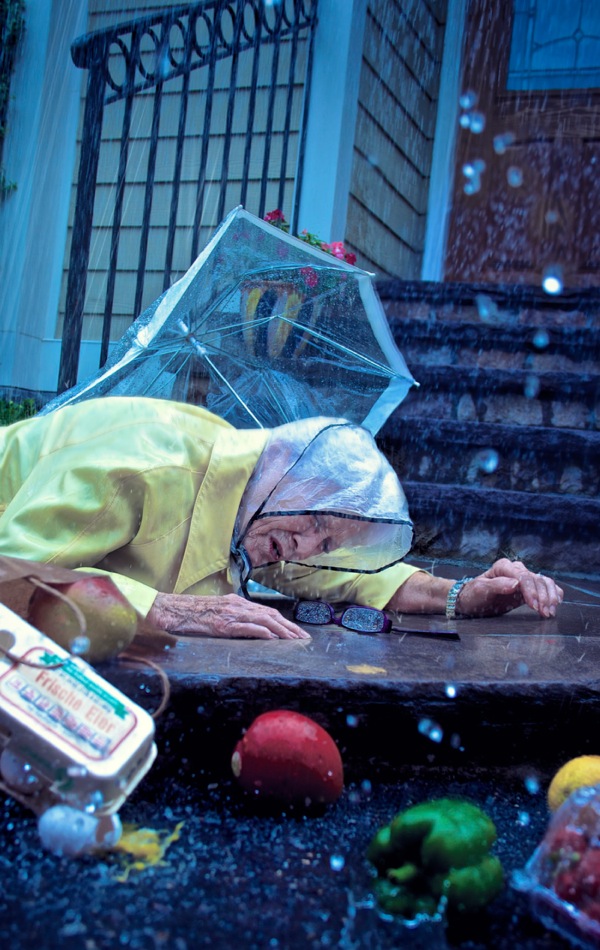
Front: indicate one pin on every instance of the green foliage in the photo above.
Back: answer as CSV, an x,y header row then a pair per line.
x,y
12,27
16,411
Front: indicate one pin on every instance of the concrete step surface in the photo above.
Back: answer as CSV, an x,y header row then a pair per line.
x,y
499,446
494,455
548,531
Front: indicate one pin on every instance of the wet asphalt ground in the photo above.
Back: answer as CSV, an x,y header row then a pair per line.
x,y
241,876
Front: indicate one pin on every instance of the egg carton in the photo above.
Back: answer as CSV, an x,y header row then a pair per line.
x,y
66,734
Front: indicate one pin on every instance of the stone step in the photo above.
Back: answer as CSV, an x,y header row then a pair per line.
x,y
491,305
548,531
501,346
488,455
474,394
499,447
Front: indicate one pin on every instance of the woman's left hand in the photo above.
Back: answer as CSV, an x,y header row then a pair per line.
x,y
506,585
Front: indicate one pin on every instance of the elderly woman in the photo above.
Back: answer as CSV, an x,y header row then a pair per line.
x,y
183,511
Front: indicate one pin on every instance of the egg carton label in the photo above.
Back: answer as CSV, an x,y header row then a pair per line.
x,y
57,694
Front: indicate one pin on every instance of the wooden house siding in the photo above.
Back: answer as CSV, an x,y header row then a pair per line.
x,y
106,13
395,128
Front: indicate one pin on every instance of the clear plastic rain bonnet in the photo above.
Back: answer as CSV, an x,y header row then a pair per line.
x,y
263,329
331,469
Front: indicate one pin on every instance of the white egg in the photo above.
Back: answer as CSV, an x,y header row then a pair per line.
x,y
65,830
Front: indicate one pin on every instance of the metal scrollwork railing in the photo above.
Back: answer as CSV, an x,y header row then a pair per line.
x,y
267,49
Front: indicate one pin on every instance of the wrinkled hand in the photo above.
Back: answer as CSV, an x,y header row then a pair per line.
x,y
228,617
506,585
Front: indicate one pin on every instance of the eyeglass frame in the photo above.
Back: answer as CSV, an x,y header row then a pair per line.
x,y
388,627
338,619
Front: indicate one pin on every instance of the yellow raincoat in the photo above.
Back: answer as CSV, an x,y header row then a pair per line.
x,y
147,490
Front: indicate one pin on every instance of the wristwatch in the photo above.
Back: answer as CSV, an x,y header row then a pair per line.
x,y
453,595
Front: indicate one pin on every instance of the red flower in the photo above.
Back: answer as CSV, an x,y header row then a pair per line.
x,y
276,215
337,249
310,276
349,257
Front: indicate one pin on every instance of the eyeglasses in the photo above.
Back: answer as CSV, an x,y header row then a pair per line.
x,y
359,619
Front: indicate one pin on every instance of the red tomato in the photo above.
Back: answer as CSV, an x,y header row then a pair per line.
x,y
288,757
566,845
588,873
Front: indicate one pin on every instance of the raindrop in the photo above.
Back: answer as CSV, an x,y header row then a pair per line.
x,y
532,387
522,668
551,216
80,645
468,99
477,124
501,142
456,743
17,773
77,771
487,460
472,172
431,729
366,786
524,818
373,160
472,187
514,177
532,784
486,308
465,121
96,800
164,67
541,339
451,691
336,862
352,721
552,281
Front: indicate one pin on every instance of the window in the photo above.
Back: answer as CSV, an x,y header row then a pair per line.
x,y
555,45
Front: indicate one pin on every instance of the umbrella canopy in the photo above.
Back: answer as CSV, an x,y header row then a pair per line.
x,y
263,329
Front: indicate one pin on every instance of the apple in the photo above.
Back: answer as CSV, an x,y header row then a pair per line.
x,y
290,758
111,620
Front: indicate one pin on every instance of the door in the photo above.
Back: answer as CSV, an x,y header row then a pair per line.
x,y
526,197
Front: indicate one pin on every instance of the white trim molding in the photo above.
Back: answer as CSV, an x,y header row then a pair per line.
x,y
332,118
439,203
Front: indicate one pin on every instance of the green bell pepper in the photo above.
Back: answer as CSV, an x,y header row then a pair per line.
x,y
433,850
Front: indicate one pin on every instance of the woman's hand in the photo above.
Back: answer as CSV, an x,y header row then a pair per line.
x,y
228,617
506,585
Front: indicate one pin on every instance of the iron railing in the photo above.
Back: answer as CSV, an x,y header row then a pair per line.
x,y
146,54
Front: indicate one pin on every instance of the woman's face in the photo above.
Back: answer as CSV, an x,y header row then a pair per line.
x,y
290,538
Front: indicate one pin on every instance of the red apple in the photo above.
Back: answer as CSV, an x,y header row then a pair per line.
x,y
288,757
111,619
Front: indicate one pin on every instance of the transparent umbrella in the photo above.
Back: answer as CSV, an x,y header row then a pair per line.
x,y
263,329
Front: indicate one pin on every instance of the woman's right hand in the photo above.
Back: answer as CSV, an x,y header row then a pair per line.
x,y
227,617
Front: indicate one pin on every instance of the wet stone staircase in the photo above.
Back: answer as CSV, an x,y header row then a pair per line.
x,y
499,447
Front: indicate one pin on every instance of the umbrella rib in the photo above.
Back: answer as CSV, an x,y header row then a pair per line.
x,y
164,369
339,346
201,350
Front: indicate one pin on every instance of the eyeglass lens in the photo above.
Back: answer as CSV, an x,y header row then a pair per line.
x,y
361,619
313,611
364,619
